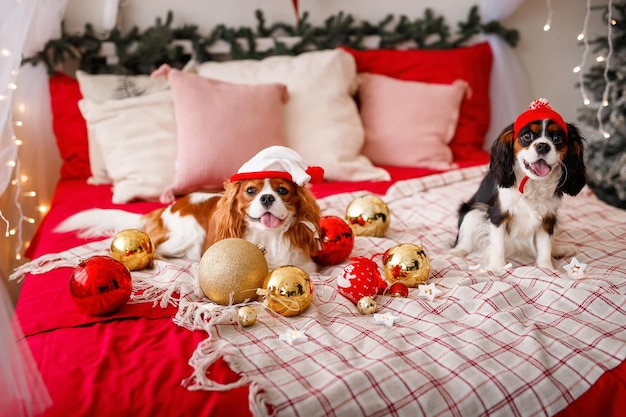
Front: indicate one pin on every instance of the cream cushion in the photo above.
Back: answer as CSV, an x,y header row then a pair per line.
x,y
322,121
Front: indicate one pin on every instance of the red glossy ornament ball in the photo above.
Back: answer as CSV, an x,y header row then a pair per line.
x,y
100,285
398,289
337,240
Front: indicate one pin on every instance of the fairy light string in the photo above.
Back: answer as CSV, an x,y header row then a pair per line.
x,y
548,24
583,36
13,216
607,65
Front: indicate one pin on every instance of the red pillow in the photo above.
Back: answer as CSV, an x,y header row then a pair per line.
x,y
443,66
69,126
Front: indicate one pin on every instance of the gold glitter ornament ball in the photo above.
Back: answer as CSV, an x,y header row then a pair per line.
x,y
406,263
368,215
232,266
288,290
133,248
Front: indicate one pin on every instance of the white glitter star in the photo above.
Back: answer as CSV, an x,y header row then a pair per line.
x,y
429,291
386,319
575,269
294,336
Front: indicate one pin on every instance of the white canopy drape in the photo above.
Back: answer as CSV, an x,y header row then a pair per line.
x,y
25,27
509,85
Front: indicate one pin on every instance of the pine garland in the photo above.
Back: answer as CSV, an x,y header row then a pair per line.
x,y
141,52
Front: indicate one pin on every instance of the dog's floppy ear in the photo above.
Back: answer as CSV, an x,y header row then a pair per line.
x,y
503,158
227,221
573,176
305,232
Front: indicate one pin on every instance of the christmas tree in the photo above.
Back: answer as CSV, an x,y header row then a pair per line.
x,y
604,85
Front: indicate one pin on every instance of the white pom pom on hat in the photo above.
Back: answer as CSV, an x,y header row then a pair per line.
x,y
279,162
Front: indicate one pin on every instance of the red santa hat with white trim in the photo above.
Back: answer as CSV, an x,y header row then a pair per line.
x,y
539,109
279,162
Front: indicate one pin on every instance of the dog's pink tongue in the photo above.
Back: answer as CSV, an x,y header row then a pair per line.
x,y
541,168
269,220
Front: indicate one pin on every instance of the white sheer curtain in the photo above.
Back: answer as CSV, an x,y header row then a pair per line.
x,y
509,85
25,26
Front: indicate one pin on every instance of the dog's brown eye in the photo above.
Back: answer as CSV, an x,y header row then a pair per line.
x,y
557,139
251,190
282,190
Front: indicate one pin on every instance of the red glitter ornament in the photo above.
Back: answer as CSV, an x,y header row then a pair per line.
x,y
100,285
337,241
360,278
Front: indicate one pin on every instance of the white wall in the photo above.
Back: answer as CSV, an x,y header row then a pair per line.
x,y
547,58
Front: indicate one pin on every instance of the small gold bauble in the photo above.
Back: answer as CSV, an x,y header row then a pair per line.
x,y
368,215
406,263
246,315
133,248
232,266
367,305
288,290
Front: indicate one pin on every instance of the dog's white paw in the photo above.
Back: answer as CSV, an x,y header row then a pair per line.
x,y
564,251
461,253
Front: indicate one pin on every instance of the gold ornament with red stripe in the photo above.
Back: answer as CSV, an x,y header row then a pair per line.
x,y
368,215
287,290
407,263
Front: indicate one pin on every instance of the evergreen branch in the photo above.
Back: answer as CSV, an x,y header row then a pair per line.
x,y
140,52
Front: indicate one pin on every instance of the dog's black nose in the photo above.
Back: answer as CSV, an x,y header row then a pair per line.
x,y
542,148
267,200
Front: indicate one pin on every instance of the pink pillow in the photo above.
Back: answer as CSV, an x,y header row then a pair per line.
x,y
220,126
409,123
471,63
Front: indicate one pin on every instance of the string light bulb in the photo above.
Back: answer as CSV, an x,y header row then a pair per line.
x,y
582,36
548,24
607,65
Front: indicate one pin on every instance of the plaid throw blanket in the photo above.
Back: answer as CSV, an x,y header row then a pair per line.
x,y
520,341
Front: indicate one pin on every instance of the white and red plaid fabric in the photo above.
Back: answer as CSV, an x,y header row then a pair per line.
x,y
521,341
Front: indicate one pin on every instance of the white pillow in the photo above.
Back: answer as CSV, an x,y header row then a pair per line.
x,y
322,121
101,88
137,137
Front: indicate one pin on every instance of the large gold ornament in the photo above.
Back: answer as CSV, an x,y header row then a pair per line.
x,y
288,290
234,267
133,248
368,215
406,263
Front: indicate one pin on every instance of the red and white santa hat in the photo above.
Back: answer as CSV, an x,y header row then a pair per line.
x,y
279,162
539,109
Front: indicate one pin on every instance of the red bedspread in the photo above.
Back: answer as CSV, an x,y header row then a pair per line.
x,y
136,359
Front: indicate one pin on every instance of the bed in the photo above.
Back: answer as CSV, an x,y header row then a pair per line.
x,y
518,341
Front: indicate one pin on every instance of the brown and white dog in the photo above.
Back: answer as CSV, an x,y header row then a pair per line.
x,y
266,202
533,163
